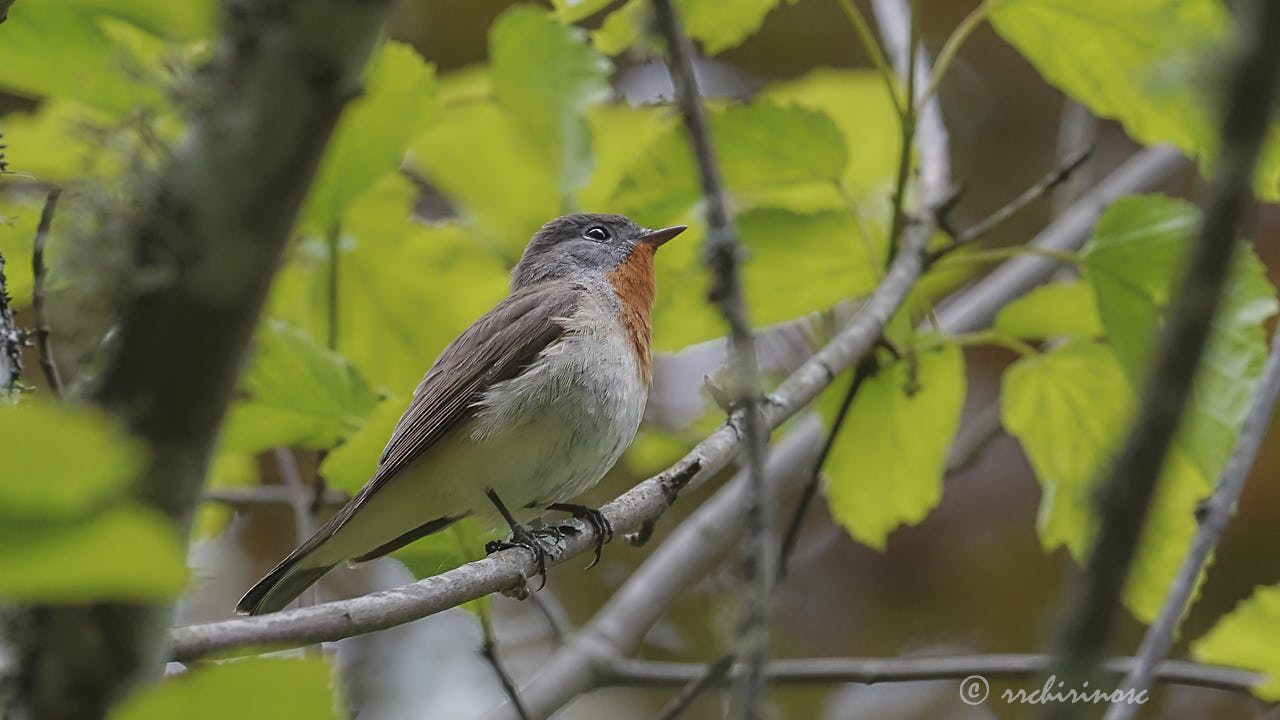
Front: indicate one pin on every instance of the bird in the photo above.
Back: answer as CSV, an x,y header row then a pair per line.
x,y
530,406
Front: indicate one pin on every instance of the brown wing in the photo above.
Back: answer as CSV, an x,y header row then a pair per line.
x,y
495,348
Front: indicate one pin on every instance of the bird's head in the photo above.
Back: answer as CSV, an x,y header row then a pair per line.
x,y
572,246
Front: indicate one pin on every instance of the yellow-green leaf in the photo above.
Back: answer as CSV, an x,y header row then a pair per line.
x,y
1063,308
1245,637
722,24
887,464
350,465
1069,408
295,393
397,104
1146,63
546,75
664,182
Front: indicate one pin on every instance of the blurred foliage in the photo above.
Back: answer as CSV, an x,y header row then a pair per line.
x,y
434,181
258,688
65,533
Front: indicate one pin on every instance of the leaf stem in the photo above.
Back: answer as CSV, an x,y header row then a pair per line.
x,y
875,53
953,43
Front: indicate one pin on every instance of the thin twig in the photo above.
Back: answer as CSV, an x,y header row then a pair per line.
x,y
974,308
1159,637
333,243
722,258
1043,187
39,275
870,671
554,613
1127,488
864,370
712,674
490,654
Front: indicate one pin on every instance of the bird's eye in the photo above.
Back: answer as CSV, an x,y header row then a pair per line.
x,y
598,234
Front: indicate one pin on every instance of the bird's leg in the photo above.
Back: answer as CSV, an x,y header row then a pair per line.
x,y
521,536
594,518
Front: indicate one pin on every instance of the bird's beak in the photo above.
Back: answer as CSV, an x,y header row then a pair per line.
x,y
658,237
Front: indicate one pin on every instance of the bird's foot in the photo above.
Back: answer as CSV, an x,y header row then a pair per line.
x,y
594,518
527,538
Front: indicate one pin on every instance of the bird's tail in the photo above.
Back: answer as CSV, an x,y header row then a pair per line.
x,y
284,583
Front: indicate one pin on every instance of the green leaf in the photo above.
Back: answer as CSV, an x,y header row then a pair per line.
x,y
128,553
350,465
60,461
257,688
887,465
1245,638
858,104
624,28
664,183
575,10
18,219
545,76
1064,308
490,170
620,135
397,104
1069,409
723,24
1133,262
59,142
404,290
1131,61
297,393
798,263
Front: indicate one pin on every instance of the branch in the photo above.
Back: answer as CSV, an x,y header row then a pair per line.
x,y
1131,481
1159,637
722,253
692,549
870,671
38,291
213,226
716,672
10,340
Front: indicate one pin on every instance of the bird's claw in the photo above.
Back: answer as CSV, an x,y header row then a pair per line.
x,y
527,538
594,518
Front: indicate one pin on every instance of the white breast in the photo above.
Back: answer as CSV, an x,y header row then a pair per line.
x,y
560,426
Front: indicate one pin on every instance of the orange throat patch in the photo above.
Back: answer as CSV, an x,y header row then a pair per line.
x,y
633,282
